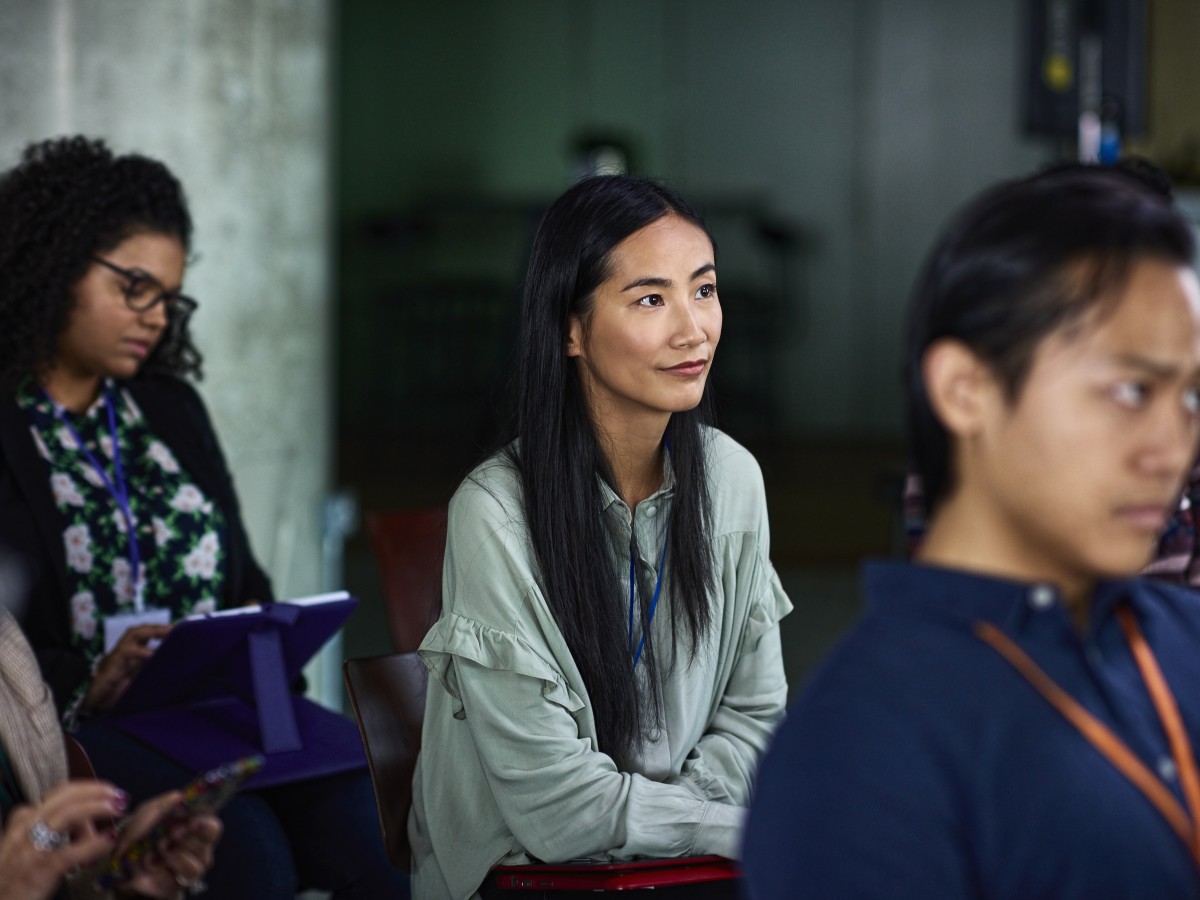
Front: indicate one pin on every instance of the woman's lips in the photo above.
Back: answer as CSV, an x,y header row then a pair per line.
x,y
688,369
1145,518
140,349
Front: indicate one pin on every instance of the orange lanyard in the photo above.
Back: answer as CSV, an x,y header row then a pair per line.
x,y
1100,736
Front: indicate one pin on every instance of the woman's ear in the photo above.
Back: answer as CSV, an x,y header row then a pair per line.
x,y
574,336
959,386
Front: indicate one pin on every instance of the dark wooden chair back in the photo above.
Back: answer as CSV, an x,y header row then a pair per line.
x,y
79,764
409,545
387,694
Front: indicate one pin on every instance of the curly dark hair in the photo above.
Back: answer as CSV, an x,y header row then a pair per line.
x,y
68,200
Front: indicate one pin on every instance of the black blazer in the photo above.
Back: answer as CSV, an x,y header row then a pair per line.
x,y
32,527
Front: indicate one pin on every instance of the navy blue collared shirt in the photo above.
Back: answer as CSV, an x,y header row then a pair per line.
x,y
919,763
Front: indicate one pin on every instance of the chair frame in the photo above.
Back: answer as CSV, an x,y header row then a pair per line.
x,y
387,695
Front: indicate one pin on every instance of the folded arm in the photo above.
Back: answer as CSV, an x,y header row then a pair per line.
x,y
565,800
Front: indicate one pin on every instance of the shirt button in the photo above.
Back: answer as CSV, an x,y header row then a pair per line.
x,y
652,511
1041,597
1166,768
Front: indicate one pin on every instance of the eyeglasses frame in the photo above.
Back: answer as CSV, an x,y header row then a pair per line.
x,y
179,306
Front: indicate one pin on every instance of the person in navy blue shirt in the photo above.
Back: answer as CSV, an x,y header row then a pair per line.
x,y
1015,714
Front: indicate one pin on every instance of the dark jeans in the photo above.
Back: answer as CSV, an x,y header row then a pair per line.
x,y
320,833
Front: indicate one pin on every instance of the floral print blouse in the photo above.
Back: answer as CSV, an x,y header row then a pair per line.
x,y
180,532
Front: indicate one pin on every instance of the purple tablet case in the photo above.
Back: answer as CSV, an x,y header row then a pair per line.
x,y
218,689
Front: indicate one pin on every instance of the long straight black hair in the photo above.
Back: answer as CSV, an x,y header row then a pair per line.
x,y
561,461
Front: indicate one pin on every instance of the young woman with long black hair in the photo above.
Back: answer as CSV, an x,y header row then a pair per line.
x,y
606,670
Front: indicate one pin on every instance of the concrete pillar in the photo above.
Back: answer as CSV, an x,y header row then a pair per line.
x,y
233,95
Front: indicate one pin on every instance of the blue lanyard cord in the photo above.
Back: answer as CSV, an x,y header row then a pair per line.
x,y
118,491
662,564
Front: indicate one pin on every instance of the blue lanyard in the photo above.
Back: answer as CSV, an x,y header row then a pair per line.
x,y
118,491
662,563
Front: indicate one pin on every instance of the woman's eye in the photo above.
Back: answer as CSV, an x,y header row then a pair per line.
x,y
1132,394
706,292
1191,401
138,287
650,300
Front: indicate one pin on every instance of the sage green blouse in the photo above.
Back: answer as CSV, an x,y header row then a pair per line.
x,y
510,771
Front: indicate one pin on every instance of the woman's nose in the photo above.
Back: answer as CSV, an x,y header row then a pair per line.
x,y
155,317
688,330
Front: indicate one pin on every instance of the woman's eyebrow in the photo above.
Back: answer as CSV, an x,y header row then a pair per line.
x,y
146,276
139,272
648,281
659,281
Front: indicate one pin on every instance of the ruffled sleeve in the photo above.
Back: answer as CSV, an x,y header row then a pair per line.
x,y
456,636
767,608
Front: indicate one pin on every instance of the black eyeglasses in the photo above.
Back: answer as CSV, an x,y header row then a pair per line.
x,y
144,292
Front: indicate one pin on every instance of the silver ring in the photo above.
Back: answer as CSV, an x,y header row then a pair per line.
x,y
193,886
45,839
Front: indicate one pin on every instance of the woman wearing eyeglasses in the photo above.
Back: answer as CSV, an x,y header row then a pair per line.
x,y
114,490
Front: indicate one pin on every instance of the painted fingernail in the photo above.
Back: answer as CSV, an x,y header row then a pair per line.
x,y
120,801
